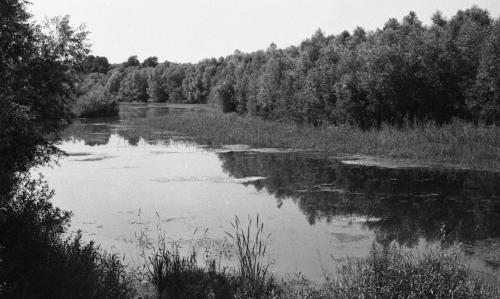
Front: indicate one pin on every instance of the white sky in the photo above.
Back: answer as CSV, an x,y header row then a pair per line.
x,y
190,30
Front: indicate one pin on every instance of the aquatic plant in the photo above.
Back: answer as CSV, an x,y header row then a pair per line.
x,y
251,248
390,272
174,275
458,144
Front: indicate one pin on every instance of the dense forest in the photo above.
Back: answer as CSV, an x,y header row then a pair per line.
x,y
404,72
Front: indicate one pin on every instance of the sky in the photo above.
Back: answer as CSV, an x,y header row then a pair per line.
x,y
191,30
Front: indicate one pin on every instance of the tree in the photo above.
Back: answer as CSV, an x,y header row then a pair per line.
x,y
96,64
483,98
38,65
38,68
157,84
150,62
132,61
134,85
225,93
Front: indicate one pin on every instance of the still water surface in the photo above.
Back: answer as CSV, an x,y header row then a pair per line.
x,y
119,181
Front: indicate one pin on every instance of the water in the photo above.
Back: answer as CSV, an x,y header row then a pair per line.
x,y
119,181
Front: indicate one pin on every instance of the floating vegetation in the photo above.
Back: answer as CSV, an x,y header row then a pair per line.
x,y
217,180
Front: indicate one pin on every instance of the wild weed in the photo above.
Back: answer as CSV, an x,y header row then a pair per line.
x,y
389,272
251,248
174,275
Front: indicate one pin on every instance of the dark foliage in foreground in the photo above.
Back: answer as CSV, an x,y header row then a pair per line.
x,y
35,262
38,65
37,72
388,272
176,276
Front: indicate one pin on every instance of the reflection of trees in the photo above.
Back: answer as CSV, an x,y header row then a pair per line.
x,y
97,131
133,111
90,134
435,204
142,111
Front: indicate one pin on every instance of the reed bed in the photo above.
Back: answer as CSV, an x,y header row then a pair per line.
x,y
457,144
388,272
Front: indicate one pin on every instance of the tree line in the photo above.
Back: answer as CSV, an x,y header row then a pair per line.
x,y
404,72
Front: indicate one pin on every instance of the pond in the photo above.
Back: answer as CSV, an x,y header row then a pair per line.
x,y
119,182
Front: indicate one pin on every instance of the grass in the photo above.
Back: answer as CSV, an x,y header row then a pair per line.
x,y
389,272
251,251
458,144
176,276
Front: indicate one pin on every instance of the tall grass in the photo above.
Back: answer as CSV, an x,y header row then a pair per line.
x,y
174,275
251,254
458,144
390,272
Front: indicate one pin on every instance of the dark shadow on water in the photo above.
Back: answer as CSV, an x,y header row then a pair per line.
x,y
446,206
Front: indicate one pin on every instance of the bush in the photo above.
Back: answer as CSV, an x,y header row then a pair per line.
x,y
97,102
36,263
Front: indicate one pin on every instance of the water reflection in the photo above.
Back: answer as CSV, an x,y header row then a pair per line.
x,y
97,131
340,208
439,205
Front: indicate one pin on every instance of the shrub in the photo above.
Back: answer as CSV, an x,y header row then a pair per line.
x,y
97,102
35,262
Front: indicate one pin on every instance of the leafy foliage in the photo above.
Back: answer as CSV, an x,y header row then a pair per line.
x,y
38,69
38,65
34,259
96,64
406,71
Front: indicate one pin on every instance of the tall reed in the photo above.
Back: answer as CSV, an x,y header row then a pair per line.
x,y
457,144
251,249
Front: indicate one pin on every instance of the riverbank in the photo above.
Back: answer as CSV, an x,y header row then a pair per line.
x,y
387,272
455,145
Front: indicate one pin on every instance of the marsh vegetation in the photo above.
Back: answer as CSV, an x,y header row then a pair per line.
x,y
421,93
457,144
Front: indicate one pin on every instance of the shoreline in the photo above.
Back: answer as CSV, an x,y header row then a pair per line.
x,y
458,145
